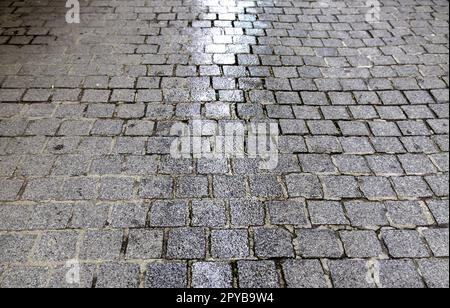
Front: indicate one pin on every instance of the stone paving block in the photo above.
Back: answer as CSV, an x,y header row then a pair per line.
x,y
168,214
16,247
406,213
101,245
338,187
273,243
265,186
411,187
291,212
350,274
438,184
230,244
186,243
118,275
319,244
385,165
257,274
112,188
377,188
399,274
30,277
211,275
39,189
351,164
440,210
304,185
145,244
78,188
192,187
10,189
361,244
229,186
435,272
71,165
56,246
156,187
86,215
316,163
366,214
166,275
129,215
438,240
405,244
246,212
326,213
208,213
59,279
304,274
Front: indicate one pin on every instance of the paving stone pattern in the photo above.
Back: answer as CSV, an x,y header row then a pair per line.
x,y
361,191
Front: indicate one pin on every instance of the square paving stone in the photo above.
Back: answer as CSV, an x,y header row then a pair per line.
x,y
211,275
156,187
319,244
192,187
168,214
304,185
59,277
86,215
208,213
273,243
440,210
411,187
101,245
265,186
118,276
291,212
438,240
361,244
186,243
257,274
406,213
339,187
247,212
304,274
229,186
56,246
25,277
129,215
350,274
366,214
10,189
16,247
377,188
166,275
405,244
145,244
399,274
435,272
230,244
117,188
327,213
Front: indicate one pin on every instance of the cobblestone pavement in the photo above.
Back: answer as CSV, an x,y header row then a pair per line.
x,y
360,196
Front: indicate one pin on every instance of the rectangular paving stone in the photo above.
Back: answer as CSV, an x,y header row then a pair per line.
x,y
211,275
129,215
16,247
247,212
118,275
257,274
101,245
435,272
230,244
208,213
168,214
114,188
327,213
145,244
166,275
30,277
399,274
291,212
405,244
160,187
438,241
186,243
361,244
366,214
304,185
440,210
192,187
350,274
339,187
56,246
407,213
273,243
304,274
